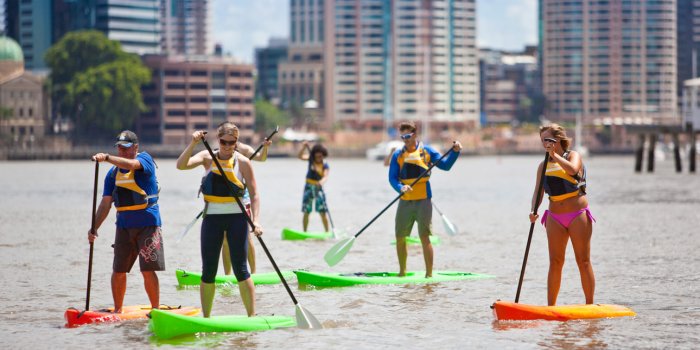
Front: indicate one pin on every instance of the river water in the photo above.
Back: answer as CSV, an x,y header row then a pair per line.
x,y
644,253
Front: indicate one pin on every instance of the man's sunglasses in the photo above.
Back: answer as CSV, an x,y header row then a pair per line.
x,y
547,139
406,136
227,143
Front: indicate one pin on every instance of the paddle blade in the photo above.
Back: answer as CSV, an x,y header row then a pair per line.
x,y
188,227
338,251
449,226
306,319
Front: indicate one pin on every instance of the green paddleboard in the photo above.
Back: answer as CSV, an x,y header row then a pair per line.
x,y
321,279
188,278
165,326
295,235
435,240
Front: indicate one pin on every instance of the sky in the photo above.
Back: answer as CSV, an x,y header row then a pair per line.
x,y
242,25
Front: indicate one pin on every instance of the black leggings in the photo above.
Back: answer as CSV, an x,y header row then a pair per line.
x,y
213,228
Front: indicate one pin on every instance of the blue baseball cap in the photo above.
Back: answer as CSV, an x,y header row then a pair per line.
x,y
127,139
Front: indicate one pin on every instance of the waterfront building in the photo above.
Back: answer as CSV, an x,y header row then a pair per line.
x,y
189,93
267,62
23,104
611,62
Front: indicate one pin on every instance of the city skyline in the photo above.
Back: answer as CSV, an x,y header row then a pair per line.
x,y
501,24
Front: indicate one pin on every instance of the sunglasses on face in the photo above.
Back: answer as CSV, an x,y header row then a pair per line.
x,y
550,140
406,136
227,143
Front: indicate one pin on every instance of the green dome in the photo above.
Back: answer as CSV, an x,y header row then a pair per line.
x,y
10,50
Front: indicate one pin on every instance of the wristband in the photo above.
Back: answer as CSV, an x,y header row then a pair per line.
x,y
107,157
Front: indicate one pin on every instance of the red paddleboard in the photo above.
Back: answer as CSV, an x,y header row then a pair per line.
x,y
77,318
504,310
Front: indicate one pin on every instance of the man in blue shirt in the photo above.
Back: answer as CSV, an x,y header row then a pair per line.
x,y
132,186
407,164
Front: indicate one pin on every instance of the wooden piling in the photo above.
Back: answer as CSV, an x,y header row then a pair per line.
x,y
677,153
639,154
650,155
692,153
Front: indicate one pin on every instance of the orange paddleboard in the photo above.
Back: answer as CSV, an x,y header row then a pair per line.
x,y
77,318
504,310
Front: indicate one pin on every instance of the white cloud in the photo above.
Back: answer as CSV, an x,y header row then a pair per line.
x,y
242,25
506,24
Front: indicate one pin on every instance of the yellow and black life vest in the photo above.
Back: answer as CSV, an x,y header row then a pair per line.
x,y
411,166
559,185
315,172
214,187
127,194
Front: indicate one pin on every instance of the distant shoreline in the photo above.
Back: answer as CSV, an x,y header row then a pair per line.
x,y
84,152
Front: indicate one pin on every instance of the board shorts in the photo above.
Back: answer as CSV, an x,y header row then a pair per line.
x,y
408,212
313,193
146,243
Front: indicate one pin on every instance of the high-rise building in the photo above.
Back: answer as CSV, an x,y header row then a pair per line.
x,y
195,93
405,60
38,24
301,77
688,41
508,86
609,60
29,23
267,61
186,27
136,24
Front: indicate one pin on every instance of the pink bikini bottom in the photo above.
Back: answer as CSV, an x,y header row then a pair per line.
x,y
565,218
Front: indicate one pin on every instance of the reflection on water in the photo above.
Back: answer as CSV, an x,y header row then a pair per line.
x,y
581,334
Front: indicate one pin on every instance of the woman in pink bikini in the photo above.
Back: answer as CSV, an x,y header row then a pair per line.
x,y
568,215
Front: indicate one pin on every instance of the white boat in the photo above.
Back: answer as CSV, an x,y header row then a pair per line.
x,y
383,149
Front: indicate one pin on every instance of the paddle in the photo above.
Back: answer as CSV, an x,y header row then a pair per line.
x,y
532,225
340,249
329,212
304,318
92,229
189,226
449,226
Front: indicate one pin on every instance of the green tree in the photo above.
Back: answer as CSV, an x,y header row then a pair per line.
x,y
267,116
110,95
95,83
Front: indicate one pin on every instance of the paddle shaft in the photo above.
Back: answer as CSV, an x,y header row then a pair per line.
x,y
92,230
250,221
263,144
425,172
327,209
532,225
